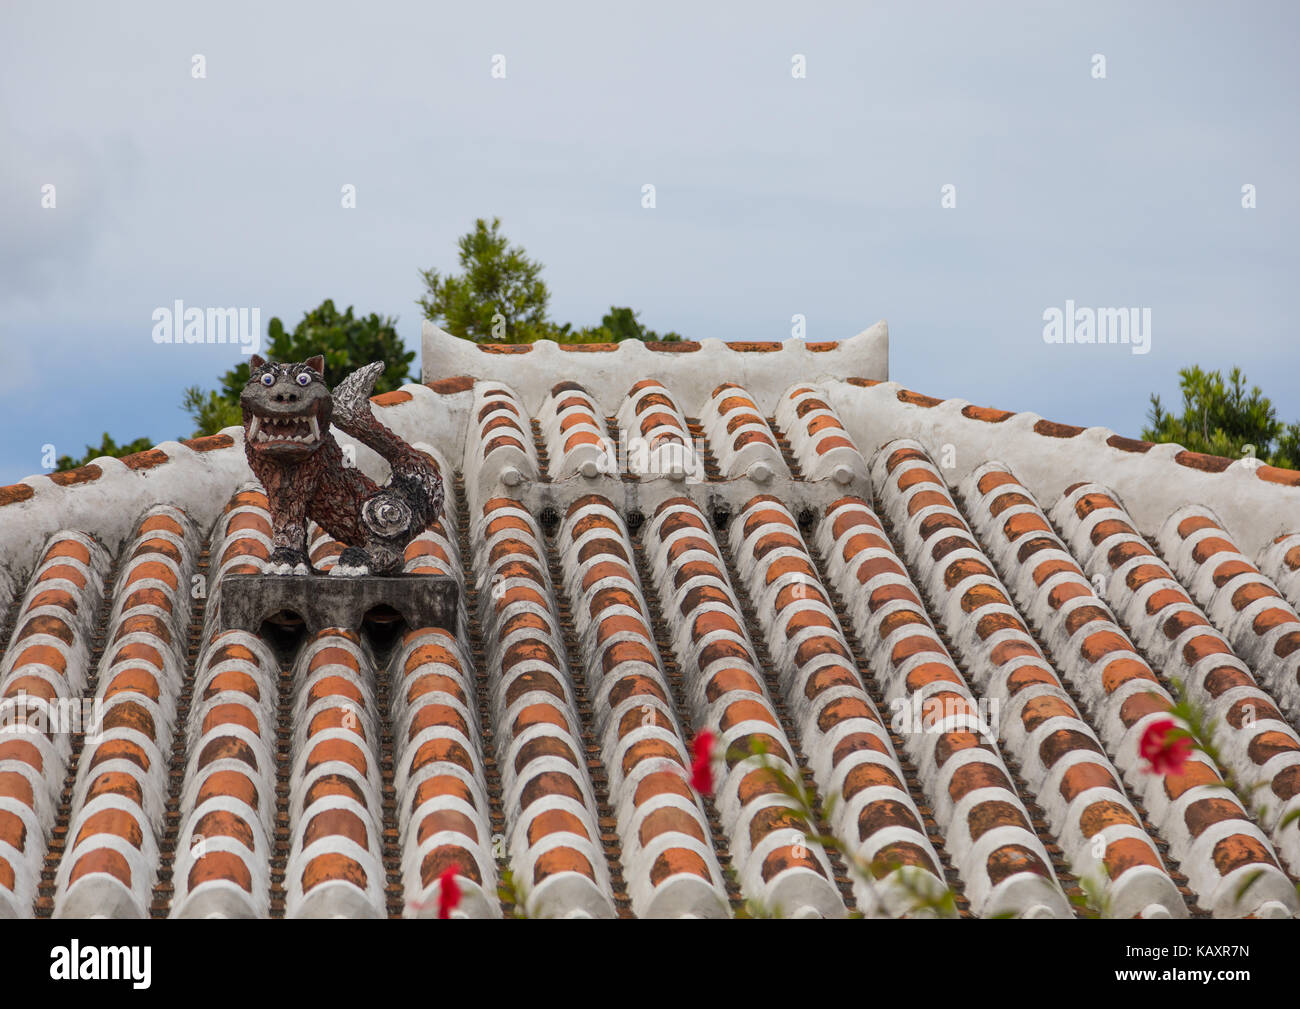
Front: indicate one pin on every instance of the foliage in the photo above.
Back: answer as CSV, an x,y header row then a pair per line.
x,y
211,411
1221,417
925,898
500,297
622,324
513,896
345,340
106,447
1197,726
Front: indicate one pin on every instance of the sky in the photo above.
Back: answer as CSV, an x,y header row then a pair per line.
x,y
1111,183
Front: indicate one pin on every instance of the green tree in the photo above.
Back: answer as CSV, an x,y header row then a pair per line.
x,y
1223,417
345,340
623,324
211,410
106,447
500,297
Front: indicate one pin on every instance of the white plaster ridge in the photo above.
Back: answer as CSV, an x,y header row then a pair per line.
x,y
533,369
1152,483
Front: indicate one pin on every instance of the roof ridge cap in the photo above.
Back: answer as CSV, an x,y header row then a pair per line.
x,y
1177,453
689,369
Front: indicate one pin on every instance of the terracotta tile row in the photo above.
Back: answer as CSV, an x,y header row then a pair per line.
x,y
741,439
42,678
1280,561
439,780
437,552
322,548
658,438
500,443
1253,739
1062,760
949,735
438,740
227,807
1208,831
434,551
846,739
227,814
1241,601
668,860
241,543
553,840
576,438
776,862
335,863
674,347
111,859
822,446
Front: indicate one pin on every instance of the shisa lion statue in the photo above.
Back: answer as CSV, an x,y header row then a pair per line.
x,y
288,411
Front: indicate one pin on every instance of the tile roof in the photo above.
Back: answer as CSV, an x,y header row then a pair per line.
x,y
954,621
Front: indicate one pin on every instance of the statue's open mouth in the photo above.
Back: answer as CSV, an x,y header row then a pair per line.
x,y
269,430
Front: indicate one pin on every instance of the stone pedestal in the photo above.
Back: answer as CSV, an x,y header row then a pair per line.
x,y
320,601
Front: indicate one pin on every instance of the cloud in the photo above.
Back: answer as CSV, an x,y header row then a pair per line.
x,y
62,195
775,195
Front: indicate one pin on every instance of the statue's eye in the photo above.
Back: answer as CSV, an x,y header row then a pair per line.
x,y
268,379
303,378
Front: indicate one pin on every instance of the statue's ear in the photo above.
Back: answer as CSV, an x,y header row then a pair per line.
x,y
316,364
256,362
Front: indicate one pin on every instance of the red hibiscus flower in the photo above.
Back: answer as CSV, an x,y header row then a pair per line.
x,y
701,763
448,892
1165,747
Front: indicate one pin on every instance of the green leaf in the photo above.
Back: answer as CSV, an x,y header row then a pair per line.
x,y
1223,417
107,447
500,297
1247,883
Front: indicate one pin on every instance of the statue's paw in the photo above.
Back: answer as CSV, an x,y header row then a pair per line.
x,y
287,561
352,563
